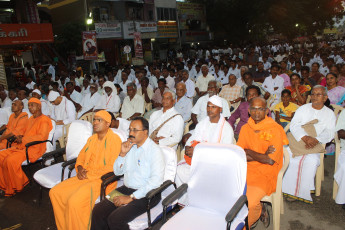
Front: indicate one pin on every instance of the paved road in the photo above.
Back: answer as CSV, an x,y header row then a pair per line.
x,y
323,214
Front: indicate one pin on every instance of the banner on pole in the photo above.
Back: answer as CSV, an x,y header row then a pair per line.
x,y
138,45
90,45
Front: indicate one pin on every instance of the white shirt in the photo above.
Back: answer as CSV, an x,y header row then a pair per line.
x,y
47,107
190,86
30,85
65,111
184,107
270,83
123,125
110,103
172,131
124,85
85,91
76,96
170,83
130,107
235,72
200,108
202,82
51,70
6,103
325,128
90,101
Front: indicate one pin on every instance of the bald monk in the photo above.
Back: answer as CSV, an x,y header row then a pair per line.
x,y
38,126
73,199
16,124
262,139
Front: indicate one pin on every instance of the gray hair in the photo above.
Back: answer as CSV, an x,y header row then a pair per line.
x,y
132,85
181,83
214,81
204,65
184,71
244,67
324,89
172,93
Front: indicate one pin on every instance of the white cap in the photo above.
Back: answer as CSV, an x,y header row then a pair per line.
x,y
37,91
53,95
216,100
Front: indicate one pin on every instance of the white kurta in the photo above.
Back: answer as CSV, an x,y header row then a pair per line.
x,y
123,125
130,107
172,131
205,131
190,86
202,82
339,175
299,178
89,102
6,103
47,107
269,85
200,108
76,97
110,103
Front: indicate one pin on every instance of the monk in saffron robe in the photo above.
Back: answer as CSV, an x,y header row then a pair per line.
x,y
16,124
38,126
73,199
262,139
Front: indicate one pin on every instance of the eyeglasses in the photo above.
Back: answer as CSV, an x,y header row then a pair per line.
x,y
135,130
317,94
260,109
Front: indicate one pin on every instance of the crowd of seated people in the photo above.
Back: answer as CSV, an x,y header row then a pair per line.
x,y
216,97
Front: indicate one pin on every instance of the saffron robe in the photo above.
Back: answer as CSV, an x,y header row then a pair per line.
x,y
16,126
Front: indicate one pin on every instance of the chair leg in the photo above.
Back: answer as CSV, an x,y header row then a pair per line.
x,y
276,211
281,204
318,181
335,189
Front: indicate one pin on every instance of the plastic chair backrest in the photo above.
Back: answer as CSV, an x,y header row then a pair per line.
x,y
218,173
78,134
87,117
49,145
337,109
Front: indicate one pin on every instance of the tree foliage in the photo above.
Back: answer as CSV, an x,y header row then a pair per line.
x,y
237,20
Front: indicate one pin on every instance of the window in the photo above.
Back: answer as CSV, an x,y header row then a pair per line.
x,y
166,14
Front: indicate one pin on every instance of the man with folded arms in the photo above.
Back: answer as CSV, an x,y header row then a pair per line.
x,y
298,179
73,199
16,124
142,164
262,139
38,126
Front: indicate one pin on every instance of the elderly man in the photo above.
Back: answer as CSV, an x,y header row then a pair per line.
x,y
63,113
142,164
298,180
166,124
339,175
5,100
199,111
22,96
190,86
16,124
262,139
110,101
38,126
146,92
90,100
133,105
202,81
73,199
45,105
212,129
183,104
73,95
231,92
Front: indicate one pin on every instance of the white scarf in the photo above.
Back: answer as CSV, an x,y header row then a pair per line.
x,y
203,132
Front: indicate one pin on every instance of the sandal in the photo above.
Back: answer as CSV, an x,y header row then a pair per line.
x,y
265,216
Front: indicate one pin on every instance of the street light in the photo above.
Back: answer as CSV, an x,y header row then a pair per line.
x,y
89,21
296,25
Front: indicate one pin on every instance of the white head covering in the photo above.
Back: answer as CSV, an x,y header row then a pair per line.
x,y
37,91
216,100
110,85
53,95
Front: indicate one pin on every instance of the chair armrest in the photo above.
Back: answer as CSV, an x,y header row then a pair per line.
x,y
35,143
64,165
107,175
2,131
106,180
55,153
158,190
175,195
235,209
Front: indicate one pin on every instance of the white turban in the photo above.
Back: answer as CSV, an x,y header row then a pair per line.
x,y
37,91
216,100
110,85
53,95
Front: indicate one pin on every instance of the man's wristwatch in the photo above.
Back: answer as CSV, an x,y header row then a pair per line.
x,y
132,197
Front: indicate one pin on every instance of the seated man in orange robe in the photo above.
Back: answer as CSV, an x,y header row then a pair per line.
x,y
38,126
73,199
262,139
16,124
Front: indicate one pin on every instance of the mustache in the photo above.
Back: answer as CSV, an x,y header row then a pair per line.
x,y
130,136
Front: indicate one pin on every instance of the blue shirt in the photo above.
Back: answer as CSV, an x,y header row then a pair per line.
x,y
184,107
143,168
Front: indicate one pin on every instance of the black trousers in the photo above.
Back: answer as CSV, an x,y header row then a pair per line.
x,y
106,215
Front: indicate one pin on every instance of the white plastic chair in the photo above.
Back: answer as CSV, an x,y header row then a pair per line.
x,y
276,198
337,153
211,198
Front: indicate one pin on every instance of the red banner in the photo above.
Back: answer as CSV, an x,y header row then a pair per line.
x,y
138,45
90,45
14,34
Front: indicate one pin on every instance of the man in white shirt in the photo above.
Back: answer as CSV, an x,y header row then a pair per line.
x,y
6,102
189,84
133,105
170,134
51,70
170,80
86,87
119,124
183,104
31,84
202,81
299,178
73,95
146,92
90,100
46,107
274,84
63,113
110,101
22,96
125,81
213,129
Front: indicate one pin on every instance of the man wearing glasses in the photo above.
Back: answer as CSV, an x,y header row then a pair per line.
x,y
262,139
142,164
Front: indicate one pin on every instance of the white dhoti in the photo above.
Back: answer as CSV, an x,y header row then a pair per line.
x,y
299,178
339,177
182,176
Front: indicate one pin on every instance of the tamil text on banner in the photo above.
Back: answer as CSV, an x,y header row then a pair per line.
x,y
138,45
89,45
108,30
14,34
